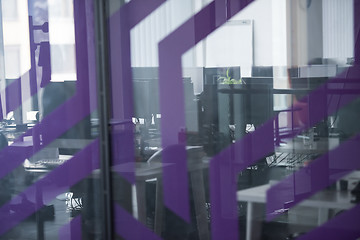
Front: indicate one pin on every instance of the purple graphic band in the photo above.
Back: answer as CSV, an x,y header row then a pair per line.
x,y
13,95
330,167
129,228
321,173
57,122
84,29
121,23
344,226
224,169
245,156
30,78
83,23
72,230
53,184
221,12
172,98
197,30
242,155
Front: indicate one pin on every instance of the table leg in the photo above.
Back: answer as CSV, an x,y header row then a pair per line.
x,y
141,201
197,184
277,134
253,224
159,208
323,215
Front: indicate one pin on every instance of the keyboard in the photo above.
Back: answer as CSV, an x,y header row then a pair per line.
x,y
282,159
45,164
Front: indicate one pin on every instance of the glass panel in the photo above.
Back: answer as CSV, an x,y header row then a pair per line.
x,y
49,147
234,119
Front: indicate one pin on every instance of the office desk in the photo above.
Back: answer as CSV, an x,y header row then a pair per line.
x,y
323,201
152,170
294,153
319,146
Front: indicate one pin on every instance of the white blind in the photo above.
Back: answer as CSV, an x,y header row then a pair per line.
x,y
338,29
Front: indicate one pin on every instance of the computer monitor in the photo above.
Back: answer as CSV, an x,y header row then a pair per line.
x,y
146,92
260,100
146,96
214,117
232,106
54,95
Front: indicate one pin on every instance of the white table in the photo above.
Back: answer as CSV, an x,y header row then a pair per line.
x,y
153,170
322,201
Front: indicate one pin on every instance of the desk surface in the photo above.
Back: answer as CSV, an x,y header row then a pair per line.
x,y
297,145
144,170
332,199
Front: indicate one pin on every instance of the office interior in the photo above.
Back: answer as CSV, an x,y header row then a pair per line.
x,y
107,132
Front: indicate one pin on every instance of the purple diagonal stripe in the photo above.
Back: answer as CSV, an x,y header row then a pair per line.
x,y
205,19
65,116
84,27
219,230
55,124
140,9
221,10
13,95
172,111
14,100
129,228
172,99
120,24
244,155
224,169
344,226
224,224
53,184
321,173
72,230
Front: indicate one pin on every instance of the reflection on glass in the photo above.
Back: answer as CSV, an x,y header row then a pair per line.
x,y
48,128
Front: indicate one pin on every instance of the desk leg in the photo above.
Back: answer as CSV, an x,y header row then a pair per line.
x,y
141,201
277,134
40,214
323,215
253,222
197,184
159,208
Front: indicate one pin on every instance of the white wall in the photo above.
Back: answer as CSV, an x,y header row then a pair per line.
x,y
230,45
146,35
280,33
260,11
16,40
338,29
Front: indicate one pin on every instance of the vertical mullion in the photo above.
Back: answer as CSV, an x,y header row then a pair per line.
x,y
102,66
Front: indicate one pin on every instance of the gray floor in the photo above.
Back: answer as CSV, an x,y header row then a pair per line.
x,y
28,229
